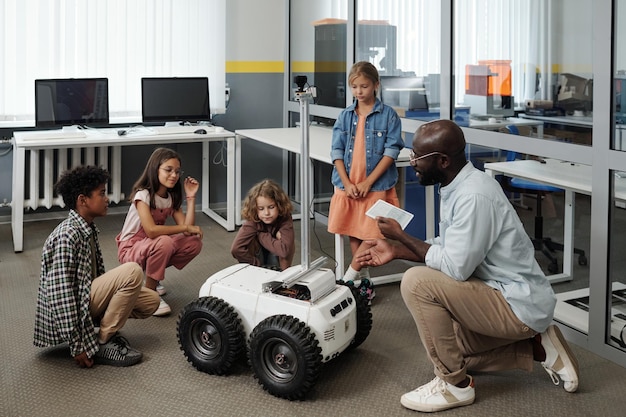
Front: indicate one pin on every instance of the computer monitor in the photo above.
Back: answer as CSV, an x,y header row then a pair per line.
x,y
404,92
66,102
171,99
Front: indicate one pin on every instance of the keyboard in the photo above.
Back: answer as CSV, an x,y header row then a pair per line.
x,y
176,130
52,134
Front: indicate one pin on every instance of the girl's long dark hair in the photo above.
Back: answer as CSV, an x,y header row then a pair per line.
x,y
149,179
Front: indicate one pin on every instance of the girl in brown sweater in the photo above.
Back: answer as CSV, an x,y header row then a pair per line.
x,y
266,237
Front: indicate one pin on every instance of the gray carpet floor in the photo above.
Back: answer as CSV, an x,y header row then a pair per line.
x,y
367,381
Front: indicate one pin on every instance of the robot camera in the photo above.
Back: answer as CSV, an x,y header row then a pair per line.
x,y
300,81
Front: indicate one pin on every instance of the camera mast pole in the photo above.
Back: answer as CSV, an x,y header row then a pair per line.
x,y
306,167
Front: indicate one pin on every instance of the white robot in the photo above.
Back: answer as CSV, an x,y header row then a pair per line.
x,y
289,323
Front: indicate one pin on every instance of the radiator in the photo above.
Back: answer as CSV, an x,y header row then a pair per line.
x,y
47,165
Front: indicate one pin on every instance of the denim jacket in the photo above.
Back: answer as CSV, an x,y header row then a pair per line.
x,y
383,137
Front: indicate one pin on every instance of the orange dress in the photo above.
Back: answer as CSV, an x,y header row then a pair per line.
x,y
346,215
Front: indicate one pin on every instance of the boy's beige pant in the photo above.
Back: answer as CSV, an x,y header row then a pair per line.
x,y
465,325
119,294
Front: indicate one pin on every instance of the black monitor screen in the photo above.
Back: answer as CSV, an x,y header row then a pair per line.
x,y
405,92
66,102
175,99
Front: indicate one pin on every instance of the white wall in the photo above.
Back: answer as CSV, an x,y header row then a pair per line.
x,y
255,30
620,35
304,13
572,36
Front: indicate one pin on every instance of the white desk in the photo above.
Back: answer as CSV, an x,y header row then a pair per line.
x,y
572,178
579,121
499,123
320,138
24,141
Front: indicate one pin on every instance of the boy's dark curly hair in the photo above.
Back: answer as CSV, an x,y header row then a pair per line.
x,y
80,180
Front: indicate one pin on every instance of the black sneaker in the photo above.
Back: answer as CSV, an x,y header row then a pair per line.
x,y
117,352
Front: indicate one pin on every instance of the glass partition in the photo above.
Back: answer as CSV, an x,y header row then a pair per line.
x,y
619,140
616,334
524,68
538,68
534,79
403,40
616,328
317,56
318,48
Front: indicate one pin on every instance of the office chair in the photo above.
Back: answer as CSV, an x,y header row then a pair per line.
x,y
517,185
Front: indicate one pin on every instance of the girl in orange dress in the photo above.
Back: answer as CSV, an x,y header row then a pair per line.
x,y
366,142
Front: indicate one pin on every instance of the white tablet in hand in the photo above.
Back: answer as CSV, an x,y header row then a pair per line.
x,y
384,209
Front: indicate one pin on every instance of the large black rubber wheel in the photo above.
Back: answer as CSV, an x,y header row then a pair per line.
x,y
285,356
363,316
210,334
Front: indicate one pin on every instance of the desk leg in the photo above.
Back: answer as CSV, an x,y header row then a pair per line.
x,y
230,183
568,242
568,235
430,211
205,176
116,167
17,205
236,170
227,223
339,257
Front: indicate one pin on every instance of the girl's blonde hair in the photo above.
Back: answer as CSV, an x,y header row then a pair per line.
x,y
268,189
365,69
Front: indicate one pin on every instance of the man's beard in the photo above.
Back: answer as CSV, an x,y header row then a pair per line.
x,y
431,176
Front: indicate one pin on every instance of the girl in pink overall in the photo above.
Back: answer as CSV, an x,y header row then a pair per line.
x,y
145,237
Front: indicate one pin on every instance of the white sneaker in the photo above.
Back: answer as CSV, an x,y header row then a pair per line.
x,y
560,361
163,310
438,395
161,289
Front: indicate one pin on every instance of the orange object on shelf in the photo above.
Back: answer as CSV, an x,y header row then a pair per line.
x,y
489,78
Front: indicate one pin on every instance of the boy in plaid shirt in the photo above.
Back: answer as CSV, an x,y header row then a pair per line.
x,y
75,293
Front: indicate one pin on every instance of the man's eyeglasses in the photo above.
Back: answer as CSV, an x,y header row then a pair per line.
x,y
170,171
413,158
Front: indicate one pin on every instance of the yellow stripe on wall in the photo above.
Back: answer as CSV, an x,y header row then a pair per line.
x,y
302,66
330,66
326,66
278,66
319,66
254,66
